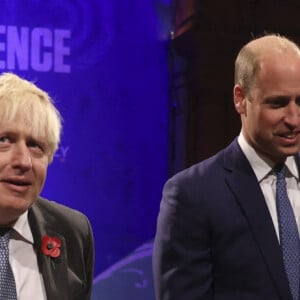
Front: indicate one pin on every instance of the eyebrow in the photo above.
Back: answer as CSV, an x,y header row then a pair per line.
x,y
277,98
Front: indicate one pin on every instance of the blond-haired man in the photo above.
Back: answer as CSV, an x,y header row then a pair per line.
x,y
51,250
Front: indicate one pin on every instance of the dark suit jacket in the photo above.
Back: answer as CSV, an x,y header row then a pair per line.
x,y
68,277
215,237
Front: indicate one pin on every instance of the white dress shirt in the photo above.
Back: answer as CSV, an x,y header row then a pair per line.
x,y
23,261
267,179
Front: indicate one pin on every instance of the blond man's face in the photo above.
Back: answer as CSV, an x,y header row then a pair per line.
x,y
23,169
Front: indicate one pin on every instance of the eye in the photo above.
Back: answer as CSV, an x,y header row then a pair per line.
x,y
4,139
277,102
5,142
35,145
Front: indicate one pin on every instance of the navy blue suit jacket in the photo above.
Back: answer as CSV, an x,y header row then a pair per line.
x,y
215,237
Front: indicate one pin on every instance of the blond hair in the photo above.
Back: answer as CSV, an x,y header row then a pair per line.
x,y
23,101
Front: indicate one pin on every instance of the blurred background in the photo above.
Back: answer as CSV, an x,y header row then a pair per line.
x,y
145,90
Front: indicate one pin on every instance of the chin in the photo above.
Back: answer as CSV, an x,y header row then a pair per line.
x,y
289,153
18,206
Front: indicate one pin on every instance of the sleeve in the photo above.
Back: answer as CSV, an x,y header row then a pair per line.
x,y
182,264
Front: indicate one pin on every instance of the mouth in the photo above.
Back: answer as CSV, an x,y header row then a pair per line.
x,y
16,185
289,136
16,182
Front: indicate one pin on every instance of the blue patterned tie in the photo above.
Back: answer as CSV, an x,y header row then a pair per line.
x,y
7,281
289,236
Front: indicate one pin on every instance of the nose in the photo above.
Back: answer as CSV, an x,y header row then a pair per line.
x,y
21,157
292,117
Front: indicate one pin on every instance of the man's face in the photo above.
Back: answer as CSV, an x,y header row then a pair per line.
x,y
23,168
271,120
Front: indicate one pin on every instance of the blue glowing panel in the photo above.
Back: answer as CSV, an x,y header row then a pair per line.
x,y
105,65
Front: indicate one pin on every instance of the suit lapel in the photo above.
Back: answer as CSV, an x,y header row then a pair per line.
x,y
54,270
241,179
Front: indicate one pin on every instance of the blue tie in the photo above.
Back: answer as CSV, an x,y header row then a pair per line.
x,y
288,231
7,281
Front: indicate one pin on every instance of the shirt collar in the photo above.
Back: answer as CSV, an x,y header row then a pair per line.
x,y
23,229
261,165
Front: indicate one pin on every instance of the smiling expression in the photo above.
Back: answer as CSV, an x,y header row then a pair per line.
x,y
23,168
271,113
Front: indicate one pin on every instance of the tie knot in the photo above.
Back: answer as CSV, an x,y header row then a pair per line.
x,y
280,169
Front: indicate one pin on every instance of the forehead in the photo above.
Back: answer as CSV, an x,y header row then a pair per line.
x,y
24,128
280,73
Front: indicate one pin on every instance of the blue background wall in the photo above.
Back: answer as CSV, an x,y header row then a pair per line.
x,y
105,65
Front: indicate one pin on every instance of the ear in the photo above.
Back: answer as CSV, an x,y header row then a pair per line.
x,y
239,99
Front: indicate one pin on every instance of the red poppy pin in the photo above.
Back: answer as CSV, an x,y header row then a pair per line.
x,y
51,246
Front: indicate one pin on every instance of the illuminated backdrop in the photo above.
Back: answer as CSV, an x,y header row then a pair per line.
x,y
105,65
